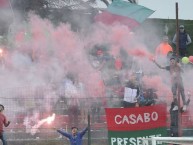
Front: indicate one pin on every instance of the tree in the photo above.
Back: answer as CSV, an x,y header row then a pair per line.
x,y
25,6
67,11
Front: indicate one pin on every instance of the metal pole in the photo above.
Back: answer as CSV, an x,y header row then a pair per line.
x,y
9,1
177,31
177,53
89,135
153,141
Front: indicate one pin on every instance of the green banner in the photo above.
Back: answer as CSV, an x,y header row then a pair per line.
x,y
134,137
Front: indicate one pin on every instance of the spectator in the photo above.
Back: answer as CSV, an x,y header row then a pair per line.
x,y
83,101
118,63
176,80
71,93
184,41
150,97
3,122
173,121
98,58
75,137
95,109
131,92
164,50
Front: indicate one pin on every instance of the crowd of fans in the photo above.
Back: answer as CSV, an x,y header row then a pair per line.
x,y
121,84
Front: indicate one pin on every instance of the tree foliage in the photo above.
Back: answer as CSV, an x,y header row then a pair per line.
x,y
76,12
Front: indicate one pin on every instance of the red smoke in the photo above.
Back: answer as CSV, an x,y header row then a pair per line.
x,y
157,83
4,3
141,52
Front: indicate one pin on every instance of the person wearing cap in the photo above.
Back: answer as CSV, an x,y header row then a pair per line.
x,y
74,137
184,41
176,81
3,122
164,50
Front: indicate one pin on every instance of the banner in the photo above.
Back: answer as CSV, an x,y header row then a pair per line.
x,y
124,12
127,126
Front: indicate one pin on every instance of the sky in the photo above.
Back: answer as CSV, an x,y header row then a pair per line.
x,y
166,9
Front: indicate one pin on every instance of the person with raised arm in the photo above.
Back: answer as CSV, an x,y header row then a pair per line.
x,y
3,122
176,80
75,137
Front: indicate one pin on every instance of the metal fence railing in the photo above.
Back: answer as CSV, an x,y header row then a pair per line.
x,y
30,109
